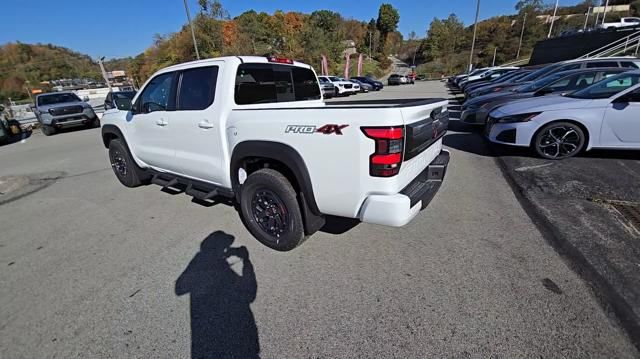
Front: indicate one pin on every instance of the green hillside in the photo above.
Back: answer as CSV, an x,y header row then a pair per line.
x,y
21,62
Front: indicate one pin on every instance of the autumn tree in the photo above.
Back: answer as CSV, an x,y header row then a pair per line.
x,y
388,18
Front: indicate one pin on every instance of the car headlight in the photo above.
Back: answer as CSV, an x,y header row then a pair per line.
x,y
522,117
340,85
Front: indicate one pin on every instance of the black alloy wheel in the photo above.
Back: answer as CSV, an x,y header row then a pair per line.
x,y
559,140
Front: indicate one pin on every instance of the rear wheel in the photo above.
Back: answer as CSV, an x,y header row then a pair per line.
x,y
559,140
270,210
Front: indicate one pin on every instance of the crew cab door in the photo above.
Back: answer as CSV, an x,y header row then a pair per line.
x,y
621,125
150,131
197,124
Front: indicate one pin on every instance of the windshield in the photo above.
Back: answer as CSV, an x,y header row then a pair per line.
x,y
123,99
333,78
608,87
540,73
536,85
57,98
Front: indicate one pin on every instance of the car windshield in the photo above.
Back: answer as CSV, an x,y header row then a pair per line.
x,y
333,78
608,87
57,98
322,80
540,73
123,99
536,85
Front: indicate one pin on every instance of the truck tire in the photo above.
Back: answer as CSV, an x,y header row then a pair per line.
x,y
123,165
270,210
95,123
48,130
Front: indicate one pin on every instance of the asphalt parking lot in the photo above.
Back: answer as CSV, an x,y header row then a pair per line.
x,y
93,269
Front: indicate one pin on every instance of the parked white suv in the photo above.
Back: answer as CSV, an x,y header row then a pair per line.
x,y
343,87
256,130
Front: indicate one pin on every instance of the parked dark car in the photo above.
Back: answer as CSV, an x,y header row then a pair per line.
x,y
364,87
477,110
9,129
493,80
395,79
119,99
511,79
377,85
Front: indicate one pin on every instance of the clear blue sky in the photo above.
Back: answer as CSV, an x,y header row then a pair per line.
x,y
117,28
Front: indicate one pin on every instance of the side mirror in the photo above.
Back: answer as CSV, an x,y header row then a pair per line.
x,y
621,99
85,99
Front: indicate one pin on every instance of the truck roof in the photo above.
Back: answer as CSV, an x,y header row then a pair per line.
x,y
242,59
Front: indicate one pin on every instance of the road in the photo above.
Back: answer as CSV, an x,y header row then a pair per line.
x,y
93,269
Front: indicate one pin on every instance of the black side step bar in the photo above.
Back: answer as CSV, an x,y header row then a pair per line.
x,y
197,189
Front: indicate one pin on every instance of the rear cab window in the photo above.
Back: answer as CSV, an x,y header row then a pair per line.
x,y
258,83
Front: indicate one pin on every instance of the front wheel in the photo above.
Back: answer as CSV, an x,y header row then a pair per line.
x,y
559,140
270,210
123,165
48,130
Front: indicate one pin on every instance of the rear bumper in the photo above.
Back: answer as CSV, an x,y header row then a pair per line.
x,y
399,209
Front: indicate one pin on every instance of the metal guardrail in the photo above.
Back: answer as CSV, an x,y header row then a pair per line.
x,y
517,62
613,48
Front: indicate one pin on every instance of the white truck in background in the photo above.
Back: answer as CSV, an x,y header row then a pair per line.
x,y
625,21
256,130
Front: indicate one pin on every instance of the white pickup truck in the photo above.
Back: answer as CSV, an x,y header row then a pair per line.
x,y
256,130
625,21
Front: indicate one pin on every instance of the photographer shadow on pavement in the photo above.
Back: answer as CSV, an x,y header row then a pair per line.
x,y
222,324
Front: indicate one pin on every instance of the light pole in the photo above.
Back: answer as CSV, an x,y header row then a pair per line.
x,y
524,21
604,14
26,85
104,72
553,19
193,33
473,42
586,19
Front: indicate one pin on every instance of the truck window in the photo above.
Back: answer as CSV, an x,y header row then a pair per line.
x,y
284,83
305,85
268,83
197,88
155,96
602,64
255,84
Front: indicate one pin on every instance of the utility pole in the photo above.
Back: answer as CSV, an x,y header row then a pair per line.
x,y
604,14
495,51
370,45
586,19
104,73
475,28
26,84
524,21
193,33
553,19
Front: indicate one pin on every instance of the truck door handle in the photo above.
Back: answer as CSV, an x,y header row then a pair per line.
x,y
161,122
205,124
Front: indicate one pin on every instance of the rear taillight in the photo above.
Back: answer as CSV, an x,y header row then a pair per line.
x,y
387,158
